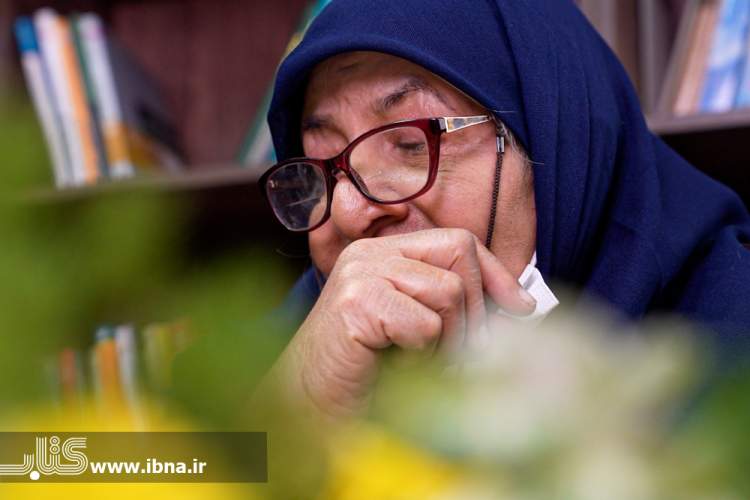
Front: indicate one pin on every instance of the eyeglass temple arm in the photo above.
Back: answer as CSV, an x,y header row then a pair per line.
x,y
452,123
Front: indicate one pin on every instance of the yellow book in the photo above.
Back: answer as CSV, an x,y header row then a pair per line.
x,y
108,373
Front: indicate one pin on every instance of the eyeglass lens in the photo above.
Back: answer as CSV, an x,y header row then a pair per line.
x,y
389,166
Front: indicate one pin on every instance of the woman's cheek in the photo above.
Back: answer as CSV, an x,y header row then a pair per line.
x,y
325,247
317,146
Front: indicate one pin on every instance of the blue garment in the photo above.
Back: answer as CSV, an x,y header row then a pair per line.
x,y
619,214
302,296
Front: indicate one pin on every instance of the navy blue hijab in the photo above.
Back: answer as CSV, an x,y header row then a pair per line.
x,y
619,214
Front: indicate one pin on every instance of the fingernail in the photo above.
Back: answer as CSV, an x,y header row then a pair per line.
x,y
527,298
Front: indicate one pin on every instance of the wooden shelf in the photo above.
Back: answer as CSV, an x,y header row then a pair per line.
x,y
700,123
222,205
194,179
716,143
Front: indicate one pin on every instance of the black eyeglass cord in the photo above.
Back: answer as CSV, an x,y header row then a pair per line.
x,y
496,186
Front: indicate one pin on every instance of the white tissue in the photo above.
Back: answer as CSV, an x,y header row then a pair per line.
x,y
531,280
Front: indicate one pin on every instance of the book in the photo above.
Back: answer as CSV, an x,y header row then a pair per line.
x,y
71,378
257,148
58,53
678,61
149,130
655,31
106,370
743,91
615,21
86,69
50,38
127,363
102,115
41,93
688,96
728,51
104,89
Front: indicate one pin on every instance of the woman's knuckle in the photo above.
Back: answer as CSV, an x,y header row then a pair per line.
x,y
433,327
350,295
453,287
462,239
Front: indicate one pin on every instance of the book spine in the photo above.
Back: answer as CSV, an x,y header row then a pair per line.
x,y
94,46
40,90
127,363
51,32
85,68
689,92
71,378
743,92
107,371
725,62
81,111
679,58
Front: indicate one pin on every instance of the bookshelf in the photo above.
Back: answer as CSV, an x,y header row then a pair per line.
x,y
644,34
215,60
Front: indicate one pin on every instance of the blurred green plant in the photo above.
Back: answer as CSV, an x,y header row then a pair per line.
x,y
71,263
574,409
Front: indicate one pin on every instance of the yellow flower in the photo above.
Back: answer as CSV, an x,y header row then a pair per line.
x,y
367,462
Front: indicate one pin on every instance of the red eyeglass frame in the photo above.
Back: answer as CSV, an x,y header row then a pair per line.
x,y
433,129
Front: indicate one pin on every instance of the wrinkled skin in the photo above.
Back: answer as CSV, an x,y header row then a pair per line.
x,y
414,275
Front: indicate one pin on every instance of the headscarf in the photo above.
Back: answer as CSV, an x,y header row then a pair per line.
x,y
620,215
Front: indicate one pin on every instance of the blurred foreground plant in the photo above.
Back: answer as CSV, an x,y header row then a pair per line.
x,y
574,409
70,262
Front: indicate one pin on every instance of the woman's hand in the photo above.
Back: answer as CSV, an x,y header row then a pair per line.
x,y
422,291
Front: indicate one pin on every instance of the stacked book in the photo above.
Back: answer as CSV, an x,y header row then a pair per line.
x,y
101,115
709,70
120,368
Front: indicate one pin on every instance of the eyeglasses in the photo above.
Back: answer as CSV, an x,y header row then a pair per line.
x,y
391,164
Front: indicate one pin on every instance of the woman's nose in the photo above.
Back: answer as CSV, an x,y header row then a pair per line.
x,y
357,217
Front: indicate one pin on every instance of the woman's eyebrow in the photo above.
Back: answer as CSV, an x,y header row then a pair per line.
x,y
314,122
382,105
414,84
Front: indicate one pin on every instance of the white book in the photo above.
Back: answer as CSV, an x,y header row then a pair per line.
x,y
94,44
127,362
50,37
39,87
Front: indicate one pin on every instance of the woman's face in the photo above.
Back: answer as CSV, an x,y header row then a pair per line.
x,y
355,92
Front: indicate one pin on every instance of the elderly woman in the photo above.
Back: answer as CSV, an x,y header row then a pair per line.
x,y
433,150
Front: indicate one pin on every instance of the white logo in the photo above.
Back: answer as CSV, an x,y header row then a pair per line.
x,y
47,459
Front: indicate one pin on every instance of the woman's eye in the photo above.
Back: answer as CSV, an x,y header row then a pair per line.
x,y
411,147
